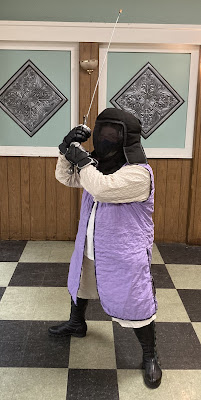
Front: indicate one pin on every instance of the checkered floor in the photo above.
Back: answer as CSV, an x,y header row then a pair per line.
x,y
105,365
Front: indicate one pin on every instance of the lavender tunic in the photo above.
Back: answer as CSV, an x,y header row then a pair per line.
x,y
123,239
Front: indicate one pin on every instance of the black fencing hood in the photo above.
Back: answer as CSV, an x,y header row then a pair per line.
x,y
128,149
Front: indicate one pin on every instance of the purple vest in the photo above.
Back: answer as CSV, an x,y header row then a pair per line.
x,y
123,239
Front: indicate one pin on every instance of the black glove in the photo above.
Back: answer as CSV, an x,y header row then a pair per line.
x,y
78,156
80,134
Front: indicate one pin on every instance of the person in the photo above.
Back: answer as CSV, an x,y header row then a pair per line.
x,y
113,247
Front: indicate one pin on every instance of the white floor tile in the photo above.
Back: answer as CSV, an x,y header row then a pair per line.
x,y
175,385
156,257
96,350
170,306
52,251
35,303
184,384
185,276
132,386
6,271
33,383
197,328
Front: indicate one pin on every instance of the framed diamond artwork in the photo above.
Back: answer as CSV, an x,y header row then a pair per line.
x,y
149,97
158,85
30,98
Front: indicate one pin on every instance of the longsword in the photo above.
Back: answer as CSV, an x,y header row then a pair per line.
x,y
85,118
101,70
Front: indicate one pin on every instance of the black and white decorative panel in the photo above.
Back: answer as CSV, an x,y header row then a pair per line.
x,y
30,98
149,97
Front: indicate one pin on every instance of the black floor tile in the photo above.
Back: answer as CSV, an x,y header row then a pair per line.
x,y
13,336
27,344
40,274
28,274
11,353
52,353
176,253
11,250
161,277
127,348
14,331
2,290
56,274
44,351
192,303
178,346
95,312
92,384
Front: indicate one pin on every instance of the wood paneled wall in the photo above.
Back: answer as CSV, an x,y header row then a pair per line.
x,y
34,206
87,85
194,229
172,182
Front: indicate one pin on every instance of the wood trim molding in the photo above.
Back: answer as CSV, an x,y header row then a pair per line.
x,y
194,225
41,31
87,85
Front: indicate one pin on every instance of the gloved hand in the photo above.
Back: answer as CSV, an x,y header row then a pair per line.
x,y
78,156
80,134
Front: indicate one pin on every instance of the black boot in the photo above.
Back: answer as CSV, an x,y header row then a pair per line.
x,y
147,338
76,326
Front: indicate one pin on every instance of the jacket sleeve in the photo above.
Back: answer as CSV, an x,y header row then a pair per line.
x,y
62,173
128,184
